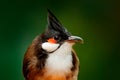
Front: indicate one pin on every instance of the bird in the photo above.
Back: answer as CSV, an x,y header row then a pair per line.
x,y
51,55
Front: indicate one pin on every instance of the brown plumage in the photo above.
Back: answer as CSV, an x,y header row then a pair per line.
x,y
35,59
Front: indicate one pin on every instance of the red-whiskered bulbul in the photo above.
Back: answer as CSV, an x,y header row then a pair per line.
x,y
50,56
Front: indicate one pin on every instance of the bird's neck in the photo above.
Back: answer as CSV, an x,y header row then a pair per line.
x,y
60,61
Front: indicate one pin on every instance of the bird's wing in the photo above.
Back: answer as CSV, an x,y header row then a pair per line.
x,y
76,65
34,60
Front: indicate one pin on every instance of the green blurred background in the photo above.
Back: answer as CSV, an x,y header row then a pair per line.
x,y
96,21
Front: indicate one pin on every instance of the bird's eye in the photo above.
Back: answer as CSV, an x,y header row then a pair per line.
x,y
56,37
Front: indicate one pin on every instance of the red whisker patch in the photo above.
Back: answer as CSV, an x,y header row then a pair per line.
x,y
52,40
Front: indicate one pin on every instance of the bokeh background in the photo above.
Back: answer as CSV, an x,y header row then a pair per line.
x,y
96,21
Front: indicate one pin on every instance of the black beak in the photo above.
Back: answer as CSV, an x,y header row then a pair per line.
x,y
75,39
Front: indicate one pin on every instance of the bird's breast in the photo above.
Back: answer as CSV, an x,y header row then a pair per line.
x,y
58,65
55,77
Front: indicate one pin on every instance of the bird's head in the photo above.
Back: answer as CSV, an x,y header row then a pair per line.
x,y
56,34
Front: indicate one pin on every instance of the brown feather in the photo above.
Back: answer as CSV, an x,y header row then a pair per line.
x,y
34,65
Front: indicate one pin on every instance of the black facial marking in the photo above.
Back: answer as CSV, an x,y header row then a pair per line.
x,y
55,29
54,34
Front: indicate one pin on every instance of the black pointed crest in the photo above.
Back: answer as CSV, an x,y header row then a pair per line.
x,y
54,24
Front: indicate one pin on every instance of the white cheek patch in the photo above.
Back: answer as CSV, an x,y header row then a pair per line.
x,y
49,47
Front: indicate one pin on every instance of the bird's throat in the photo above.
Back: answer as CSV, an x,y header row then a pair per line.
x,y
60,60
